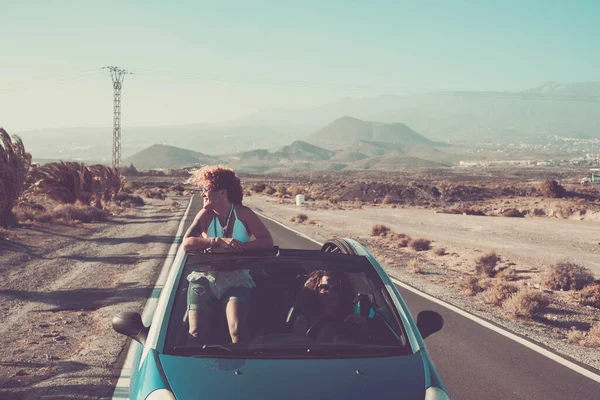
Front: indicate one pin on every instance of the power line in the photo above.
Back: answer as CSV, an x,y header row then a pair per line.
x,y
118,75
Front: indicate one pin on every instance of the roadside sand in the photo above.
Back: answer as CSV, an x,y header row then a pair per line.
x,y
527,244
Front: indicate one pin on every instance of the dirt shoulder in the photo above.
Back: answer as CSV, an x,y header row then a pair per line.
x,y
528,245
60,288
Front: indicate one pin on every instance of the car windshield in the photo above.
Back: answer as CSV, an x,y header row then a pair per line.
x,y
292,307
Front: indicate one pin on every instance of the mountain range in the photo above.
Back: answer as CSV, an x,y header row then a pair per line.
x,y
463,118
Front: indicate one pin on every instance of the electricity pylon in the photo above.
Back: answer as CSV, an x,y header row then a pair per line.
x,y
117,74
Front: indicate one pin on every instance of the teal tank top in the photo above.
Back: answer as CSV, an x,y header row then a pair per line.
x,y
215,229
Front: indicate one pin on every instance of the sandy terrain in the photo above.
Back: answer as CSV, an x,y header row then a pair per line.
x,y
527,244
60,288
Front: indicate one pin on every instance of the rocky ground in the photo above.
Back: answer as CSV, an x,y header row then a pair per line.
x,y
61,286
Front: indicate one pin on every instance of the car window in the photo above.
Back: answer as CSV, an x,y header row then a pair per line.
x,y
296,307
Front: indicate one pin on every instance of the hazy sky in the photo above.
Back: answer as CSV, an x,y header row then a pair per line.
x,y
197,61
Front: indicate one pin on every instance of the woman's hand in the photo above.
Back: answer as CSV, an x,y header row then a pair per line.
x,y
230,244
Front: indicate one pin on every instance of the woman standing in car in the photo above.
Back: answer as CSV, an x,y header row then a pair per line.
x,y
223,224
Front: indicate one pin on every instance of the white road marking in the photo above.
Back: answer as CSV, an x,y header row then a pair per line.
x,y
553,356
122,388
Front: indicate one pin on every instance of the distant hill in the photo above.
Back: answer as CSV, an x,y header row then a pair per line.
x,y
342,132
348,156
160,156
418,150
300,150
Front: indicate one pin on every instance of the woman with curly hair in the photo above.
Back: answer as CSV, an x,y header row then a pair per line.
x,y
223,224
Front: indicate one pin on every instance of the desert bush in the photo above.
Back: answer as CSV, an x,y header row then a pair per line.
x,y
440,251
128,200
525,303
177,188
334,199
14,167
473,285
420,244
301,218
389,199
589,295
76,212
508,274
513,213
575,336
498,292
281,189
404,242
539,212
551,188
592,339
566,275
486,263
269,190
154,194
129,171
379,230
414,266
258,187
397,236
129,187
295,190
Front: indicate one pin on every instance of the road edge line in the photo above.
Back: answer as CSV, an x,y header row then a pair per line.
x,y
122,385
525,342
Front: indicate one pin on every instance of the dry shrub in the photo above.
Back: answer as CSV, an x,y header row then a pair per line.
x,y
575,336
258,187
397,236
525,303
498,292
513,213
379,230
539,212
566,275
129,187
292,219
154,194
420,244
486,263
334,199
440,251
295,190
389,199
414,266
590,295
301,218
508,274
75,212
551,188
269,190
312,222
128,200
592,339
281,189
473,285
177,188
404,242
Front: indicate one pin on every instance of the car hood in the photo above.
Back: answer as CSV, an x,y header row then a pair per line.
x,y
220,378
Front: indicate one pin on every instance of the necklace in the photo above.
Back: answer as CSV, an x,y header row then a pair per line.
x,y
226,227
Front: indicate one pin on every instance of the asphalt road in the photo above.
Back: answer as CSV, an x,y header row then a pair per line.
x,y
474,362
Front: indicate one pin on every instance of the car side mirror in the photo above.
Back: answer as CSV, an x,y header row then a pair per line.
x,y
429,322
130,324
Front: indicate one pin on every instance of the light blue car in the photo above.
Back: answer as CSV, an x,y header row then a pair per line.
x,y
367,347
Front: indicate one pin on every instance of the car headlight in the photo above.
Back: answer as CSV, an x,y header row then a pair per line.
x,y
435,393
161,394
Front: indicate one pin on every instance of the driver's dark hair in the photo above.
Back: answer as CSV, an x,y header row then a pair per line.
x,y
220,177
310,293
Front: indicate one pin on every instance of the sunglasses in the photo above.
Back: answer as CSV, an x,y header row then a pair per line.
x,y
208,189
326,288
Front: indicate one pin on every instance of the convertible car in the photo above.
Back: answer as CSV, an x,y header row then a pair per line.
x,y
373,349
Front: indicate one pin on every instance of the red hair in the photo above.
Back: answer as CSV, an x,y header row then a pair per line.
x,y
220,177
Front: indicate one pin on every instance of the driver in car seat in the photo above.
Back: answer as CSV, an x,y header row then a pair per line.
x,y
327,309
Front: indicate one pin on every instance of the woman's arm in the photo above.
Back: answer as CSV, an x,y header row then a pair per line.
x,y
195,237
262,236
